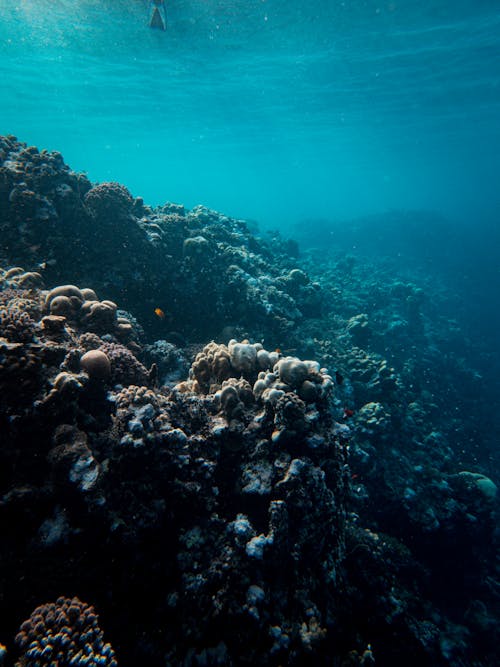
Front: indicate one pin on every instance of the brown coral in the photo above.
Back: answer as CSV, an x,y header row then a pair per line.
x,y
16,325
133,395
96,363
108,198
211,366
98,316
63,633
125,368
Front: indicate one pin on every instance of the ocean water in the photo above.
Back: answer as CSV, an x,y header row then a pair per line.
x,y
273,110
368,135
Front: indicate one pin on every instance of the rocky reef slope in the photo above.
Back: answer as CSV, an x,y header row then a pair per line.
x,y
307,488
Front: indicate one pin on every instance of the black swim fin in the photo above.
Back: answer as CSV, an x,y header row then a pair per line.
x,y
157,15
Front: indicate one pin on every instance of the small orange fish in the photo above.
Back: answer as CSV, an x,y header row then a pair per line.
x,y
348,413
159,313
278,350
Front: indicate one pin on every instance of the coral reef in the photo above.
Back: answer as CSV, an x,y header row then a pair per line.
x,y
144,258
233,484
250,507
226,479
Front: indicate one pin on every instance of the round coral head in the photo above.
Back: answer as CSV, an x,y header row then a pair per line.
x,y
96,364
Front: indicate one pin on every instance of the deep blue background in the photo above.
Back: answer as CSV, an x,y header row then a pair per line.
x,y
275,110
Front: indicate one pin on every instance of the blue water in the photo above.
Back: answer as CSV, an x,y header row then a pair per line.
x,y
272,110
364,128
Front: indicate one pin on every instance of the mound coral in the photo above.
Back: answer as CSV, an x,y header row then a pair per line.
x,y
96,363
108,198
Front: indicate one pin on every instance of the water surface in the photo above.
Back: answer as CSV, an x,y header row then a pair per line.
x,y
270,110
